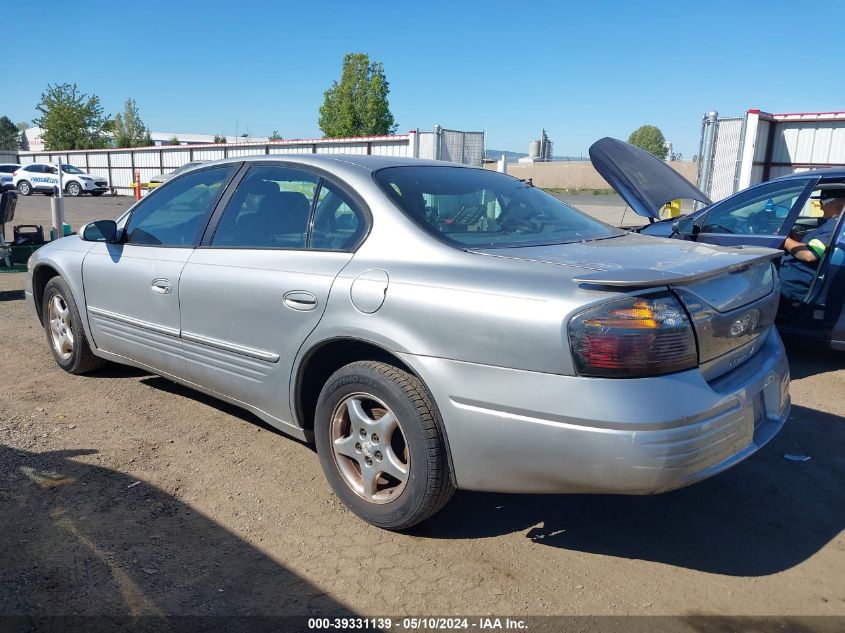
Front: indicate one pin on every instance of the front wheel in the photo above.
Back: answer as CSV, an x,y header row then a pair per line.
x,y
24,188
65,333
74,189
380,445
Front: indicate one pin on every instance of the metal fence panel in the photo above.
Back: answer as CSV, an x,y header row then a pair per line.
x,y
302,149
427,145
118,165
726,157
208,154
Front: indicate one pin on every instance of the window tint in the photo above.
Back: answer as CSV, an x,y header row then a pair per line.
x,y
759,211
270,209
338,223
175,214
481,208
37,169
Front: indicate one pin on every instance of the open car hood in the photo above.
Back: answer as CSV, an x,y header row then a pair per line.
x,y
644,181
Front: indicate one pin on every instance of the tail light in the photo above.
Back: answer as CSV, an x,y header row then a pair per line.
x,y
646,335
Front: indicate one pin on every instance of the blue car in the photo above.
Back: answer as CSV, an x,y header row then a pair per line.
x,y
797,207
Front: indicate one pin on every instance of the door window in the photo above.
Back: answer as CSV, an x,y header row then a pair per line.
x,y
338,223
176,213
270,209
758,211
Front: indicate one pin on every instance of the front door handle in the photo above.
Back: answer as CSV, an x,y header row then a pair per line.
x,y
300,300
162,286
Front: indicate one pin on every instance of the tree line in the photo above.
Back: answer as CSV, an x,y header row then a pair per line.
x,y
354,105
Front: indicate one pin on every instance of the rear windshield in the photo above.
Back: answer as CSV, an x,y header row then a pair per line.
x,y
478,208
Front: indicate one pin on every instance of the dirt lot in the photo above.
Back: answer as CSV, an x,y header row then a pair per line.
x,y
122,493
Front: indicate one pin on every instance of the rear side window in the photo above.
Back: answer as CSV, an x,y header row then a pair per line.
x,y
176,213
270,209
480,208
339,224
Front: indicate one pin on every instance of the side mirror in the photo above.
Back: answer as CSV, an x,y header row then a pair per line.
x,y
684,226
100,231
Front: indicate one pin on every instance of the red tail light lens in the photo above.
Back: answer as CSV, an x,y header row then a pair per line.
x,y
647,335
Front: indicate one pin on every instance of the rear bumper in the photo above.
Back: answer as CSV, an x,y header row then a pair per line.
x,y
517,431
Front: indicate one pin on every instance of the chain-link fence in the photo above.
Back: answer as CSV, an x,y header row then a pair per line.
x,y
723,168
452,145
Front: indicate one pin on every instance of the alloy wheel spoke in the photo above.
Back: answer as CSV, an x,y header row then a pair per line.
x,y
391,465
386,424
369,479
358,418
346,446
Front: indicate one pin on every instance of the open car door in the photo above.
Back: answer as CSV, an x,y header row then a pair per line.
x,y
760,216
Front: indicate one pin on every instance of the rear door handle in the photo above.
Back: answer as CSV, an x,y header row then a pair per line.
x,y
162,286
300,300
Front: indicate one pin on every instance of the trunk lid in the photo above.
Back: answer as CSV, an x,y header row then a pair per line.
x,y
730,293
644,181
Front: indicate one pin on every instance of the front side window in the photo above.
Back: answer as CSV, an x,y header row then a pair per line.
x,y
480,208
175,214
270,209
759,211
71,169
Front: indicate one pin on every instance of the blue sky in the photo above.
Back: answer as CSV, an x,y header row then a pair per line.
x,y
581,70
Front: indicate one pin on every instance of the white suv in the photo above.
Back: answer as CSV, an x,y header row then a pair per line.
x,y
44,177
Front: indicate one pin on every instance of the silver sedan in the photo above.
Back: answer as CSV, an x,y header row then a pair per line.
x,y
430,327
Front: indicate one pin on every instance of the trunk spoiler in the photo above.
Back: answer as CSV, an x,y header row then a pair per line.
x,y
648,277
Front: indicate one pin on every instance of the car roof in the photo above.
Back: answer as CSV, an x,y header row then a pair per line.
x,y
367,162
827,173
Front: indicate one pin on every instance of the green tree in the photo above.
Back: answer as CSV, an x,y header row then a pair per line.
x,y
357,105
128,128
22,125
10,136
219,138
275,136
649,138
71,119
174,140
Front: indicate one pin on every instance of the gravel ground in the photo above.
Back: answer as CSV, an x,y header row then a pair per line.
x,y
123,493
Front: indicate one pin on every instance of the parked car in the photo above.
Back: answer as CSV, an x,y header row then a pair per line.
x,y
430,327
155,181
44,178
762,215
6,171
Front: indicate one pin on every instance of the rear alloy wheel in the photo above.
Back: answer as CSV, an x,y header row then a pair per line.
x,y
64,330
24,188
74,189
380,445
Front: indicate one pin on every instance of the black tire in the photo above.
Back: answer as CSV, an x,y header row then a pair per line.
x,y
80,358
73,189
24,188
428,485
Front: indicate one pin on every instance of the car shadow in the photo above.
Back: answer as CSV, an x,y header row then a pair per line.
x,y
83,539
764,516
162,384
811,360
